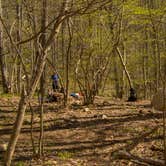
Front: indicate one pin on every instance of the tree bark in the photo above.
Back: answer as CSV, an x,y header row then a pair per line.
x,y
32,121
18,34
16,128
30,91
41,106
116,75
42,79
126,155
67,63
2,57
124,67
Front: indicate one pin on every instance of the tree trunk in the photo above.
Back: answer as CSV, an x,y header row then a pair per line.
x,y
32,121
18,33
116,75
67,63
123,71
2,58
16,128
124,67
144,76
30,91
42,79
41,105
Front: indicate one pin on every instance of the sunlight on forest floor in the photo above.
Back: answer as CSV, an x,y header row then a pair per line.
x,y
79,136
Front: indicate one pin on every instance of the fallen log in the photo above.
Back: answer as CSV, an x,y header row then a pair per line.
x,y
126,155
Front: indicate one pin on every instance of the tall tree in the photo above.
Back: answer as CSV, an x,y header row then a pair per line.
x,y
27,95
18,38
42,79
2,57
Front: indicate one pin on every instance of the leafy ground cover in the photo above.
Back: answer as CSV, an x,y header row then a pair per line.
x,y
86,136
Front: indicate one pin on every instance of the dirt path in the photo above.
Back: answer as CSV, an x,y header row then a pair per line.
x,y
86,137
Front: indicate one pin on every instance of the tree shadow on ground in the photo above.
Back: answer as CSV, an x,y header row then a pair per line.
x,y
84,149
75,123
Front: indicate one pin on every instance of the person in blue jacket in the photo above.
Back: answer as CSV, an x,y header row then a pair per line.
x,y
55,82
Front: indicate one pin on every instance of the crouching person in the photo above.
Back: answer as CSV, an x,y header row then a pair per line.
x,y
54,96
133,95
50,97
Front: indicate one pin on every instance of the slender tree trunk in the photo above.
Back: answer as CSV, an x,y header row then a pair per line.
x,y
30,91
16,128
19,20
32,121
124,67
144,76
156,73
67,63
123,71
2,58
145,60
42,79
164,122
41,102
164,113
63,49
116,72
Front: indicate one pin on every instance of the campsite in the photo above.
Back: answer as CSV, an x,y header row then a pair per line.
x,y
82,83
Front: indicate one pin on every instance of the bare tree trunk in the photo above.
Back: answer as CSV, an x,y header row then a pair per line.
x,y
16,128
2,58
67,63
145,60
116,75
41,102
124,67
35,79
144,76
42,79
32,138
63,49
123,72
164,112
18,33
164,122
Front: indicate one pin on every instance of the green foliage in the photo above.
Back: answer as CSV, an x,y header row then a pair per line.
x,y
96,32
18,1
20,163
6,95
65,155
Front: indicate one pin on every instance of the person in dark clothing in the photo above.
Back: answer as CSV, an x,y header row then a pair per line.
x,y
51,97
55,84
62,90
133,95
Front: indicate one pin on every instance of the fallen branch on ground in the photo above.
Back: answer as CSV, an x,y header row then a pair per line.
x,y
136,141
140,138
126,155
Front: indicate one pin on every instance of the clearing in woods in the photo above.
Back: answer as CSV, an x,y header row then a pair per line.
x,y
81,136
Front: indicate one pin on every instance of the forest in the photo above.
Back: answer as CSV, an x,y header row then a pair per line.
x,y
82,82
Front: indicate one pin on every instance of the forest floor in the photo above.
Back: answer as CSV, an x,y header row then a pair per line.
x,y
86,136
